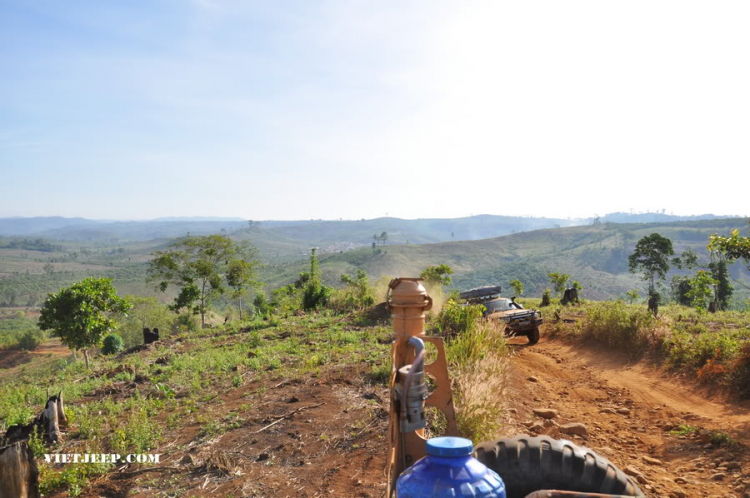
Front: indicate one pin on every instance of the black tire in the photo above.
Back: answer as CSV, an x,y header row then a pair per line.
x,y
529,464
533,336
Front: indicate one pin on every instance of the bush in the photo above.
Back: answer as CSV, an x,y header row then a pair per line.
x,y
113,343
457,318
30,340
617,324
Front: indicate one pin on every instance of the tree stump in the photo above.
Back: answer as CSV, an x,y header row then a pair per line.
x,y
19,476
570,297
653,304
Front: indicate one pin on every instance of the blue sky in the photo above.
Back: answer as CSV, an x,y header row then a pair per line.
x,y
351,109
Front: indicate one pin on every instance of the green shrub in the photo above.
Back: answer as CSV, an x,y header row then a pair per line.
x,y
30,340
617,324
113,344
457,318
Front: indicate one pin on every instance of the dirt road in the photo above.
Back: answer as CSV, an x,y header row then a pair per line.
x,y
324,435
630,411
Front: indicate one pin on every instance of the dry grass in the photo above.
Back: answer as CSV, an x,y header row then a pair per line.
x,y
480,382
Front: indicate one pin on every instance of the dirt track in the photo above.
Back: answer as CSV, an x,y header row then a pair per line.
x,y
335,445
589,386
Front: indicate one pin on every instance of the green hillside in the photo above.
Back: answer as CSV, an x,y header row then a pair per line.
x,y
595,255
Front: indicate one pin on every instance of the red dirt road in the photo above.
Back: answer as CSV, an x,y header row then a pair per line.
x,y
589,386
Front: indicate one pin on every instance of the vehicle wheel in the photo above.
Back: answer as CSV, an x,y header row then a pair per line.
x,y
533,336
529,464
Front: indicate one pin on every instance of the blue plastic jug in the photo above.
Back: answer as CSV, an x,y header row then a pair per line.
x,y
449,471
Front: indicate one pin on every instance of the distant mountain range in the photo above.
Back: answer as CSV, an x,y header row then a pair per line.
x,y
323,233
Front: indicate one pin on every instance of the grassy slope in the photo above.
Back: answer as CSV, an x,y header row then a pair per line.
x,y
179,385
594,255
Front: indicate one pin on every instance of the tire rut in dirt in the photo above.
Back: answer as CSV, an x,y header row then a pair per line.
x,y
529,464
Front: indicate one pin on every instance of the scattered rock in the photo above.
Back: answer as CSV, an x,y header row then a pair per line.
x,y
623,411
680,480
549,423
537,427
718,476
678,493
606,410
652,461
632,471
575,428
548,413
731,465
641,479
532,379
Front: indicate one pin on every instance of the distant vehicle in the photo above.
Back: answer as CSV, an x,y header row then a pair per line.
x,y
518,320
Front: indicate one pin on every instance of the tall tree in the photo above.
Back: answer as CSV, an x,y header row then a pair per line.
x,y
437,276
197,266
700,289
80,315
315,294
651,258
558,281
242,276
383,237
733,247
517,287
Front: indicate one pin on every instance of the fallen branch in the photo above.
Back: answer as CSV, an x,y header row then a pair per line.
x,y
287,415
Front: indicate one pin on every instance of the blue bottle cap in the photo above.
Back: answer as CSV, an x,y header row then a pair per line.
x,y
449,446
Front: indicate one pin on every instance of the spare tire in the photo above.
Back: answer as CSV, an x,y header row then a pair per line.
x,y
529,464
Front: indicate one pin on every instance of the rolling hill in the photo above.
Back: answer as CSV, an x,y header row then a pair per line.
x,y
595,255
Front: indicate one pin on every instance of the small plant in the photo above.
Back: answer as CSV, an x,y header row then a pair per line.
x,y
719,438
381,374
685,430
113,344
30,340
36,443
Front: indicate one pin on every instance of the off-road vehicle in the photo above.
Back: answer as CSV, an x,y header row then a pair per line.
x,y
518,320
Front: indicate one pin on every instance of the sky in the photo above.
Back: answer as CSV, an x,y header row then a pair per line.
x,y
360,109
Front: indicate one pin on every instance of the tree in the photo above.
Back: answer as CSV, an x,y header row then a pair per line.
x,y
651,257
242,275
700,289
437,276
81,314
197,266
558,281
718,267
383,237
681,286
632,295
359,291
517,287
720,273
113,343
315,295
733,247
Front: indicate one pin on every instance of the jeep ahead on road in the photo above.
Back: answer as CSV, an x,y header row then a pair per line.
x,y
518,321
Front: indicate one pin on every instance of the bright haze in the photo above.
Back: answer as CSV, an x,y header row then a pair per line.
x,y
350,109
